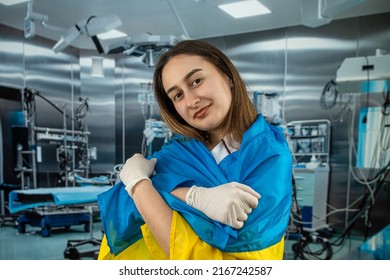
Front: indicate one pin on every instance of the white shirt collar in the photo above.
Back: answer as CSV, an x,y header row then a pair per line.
x,y
220,152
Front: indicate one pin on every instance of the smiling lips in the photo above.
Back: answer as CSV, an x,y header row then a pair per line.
x,y
202,112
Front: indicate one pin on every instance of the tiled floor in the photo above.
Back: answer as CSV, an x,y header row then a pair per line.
x,y
33,246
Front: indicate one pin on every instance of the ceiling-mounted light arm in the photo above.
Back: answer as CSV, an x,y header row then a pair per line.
x,y
35,16
148,58
52,27
178,18
32,17
29,20
129,51
91,27
94,37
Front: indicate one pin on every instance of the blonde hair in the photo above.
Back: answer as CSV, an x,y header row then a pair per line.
x,y
242,112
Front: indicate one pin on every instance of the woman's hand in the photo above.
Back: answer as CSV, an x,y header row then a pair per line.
x,y
135,169
228,203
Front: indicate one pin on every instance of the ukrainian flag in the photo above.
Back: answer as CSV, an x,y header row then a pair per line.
x,y
263,162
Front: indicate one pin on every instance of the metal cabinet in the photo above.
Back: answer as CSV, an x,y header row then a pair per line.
x,y
312,195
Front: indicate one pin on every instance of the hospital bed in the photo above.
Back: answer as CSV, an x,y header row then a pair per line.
x,y
5,217
55,207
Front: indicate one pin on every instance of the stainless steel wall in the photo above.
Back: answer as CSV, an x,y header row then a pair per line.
x,y
100,91
131,74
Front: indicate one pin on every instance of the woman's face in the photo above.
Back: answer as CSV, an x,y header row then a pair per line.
x,y
200,93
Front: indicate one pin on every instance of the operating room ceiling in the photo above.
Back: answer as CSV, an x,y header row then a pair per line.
x,y
200,18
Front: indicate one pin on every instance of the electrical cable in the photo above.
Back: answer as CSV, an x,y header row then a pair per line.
x,y
305,251
37,93
299,221
328,100
352,151
329,95
368,199
29,100
367,68
385,124
386,104
365,204
81,112
344,109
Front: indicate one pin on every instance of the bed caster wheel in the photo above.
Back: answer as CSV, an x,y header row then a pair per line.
x,y
21,228
71,253
46,231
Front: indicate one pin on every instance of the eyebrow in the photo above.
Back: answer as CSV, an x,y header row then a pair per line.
x,y
186,77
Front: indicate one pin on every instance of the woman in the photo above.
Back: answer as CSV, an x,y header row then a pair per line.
x,y
204,200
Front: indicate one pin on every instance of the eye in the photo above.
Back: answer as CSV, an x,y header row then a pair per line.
x,y
196,82
177,96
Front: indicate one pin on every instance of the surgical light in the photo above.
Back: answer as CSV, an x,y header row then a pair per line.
x,y
145,45
112,34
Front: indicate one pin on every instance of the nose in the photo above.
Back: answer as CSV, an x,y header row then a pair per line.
x,y
192,99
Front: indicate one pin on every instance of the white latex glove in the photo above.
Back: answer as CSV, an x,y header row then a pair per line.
x,y
135,169
229,203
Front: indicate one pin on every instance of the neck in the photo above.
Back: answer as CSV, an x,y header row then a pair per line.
x,y
214,139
